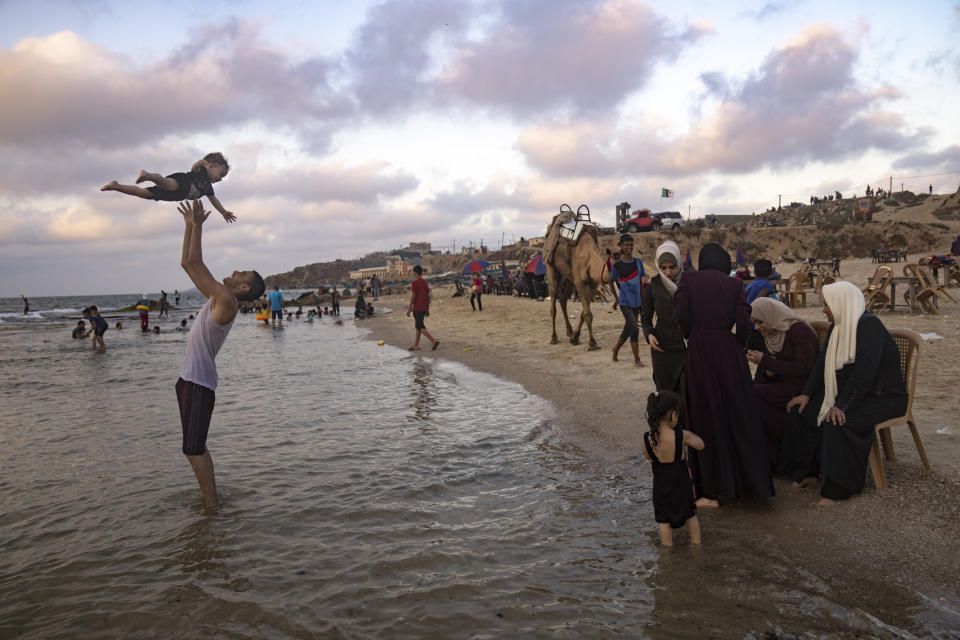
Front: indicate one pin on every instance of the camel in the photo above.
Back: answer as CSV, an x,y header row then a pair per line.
x,y
569,267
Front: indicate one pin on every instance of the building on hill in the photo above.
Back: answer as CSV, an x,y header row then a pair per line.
x,y
395,267
419,247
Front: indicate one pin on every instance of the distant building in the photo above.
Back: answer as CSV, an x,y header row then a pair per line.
x,y
394,267
420,247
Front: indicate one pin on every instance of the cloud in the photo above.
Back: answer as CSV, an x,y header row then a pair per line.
x,y
772,8
321,182
543,55
71,92
801,105
947,159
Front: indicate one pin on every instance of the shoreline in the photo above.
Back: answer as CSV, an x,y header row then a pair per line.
x,y
893,554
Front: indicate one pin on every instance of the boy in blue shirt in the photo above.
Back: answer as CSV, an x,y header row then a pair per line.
x,y
761,287
630,277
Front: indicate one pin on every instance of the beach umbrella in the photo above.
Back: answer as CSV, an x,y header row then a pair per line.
x,y
473,266
688,262
740,259
536,266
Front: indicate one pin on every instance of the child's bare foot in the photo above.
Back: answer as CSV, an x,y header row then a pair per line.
x,y
803,484
110,186
707,502
143,177
826,502
638,364
615,359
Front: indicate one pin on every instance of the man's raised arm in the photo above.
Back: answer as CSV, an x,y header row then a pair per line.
x,y
192,259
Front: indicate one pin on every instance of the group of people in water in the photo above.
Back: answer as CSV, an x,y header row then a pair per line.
x,y
807,413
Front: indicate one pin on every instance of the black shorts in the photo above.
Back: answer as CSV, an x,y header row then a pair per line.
x,y
276,314
418,317
99,331
196,408
180,193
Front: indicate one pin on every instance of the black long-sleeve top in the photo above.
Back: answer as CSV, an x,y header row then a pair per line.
x,y
875,370
657,300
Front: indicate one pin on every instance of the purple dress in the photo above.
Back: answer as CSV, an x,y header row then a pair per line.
x,y
721,407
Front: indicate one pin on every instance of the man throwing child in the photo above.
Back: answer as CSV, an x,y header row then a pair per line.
x,y
198,379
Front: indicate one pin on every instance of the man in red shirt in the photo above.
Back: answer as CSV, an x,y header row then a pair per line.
x,y
420,307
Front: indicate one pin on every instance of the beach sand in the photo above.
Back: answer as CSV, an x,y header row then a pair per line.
x,y
882,549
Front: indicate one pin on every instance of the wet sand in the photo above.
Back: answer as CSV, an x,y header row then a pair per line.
x,y
892,555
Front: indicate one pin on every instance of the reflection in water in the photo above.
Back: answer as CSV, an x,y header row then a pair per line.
x,y
198,549
423,391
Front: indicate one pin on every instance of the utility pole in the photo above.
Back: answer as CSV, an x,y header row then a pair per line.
x,y
891,185
688,213
779,201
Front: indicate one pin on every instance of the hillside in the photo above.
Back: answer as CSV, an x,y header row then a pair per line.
x,y
921,223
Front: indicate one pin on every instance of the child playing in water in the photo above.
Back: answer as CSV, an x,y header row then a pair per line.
x,y
673,504
178,187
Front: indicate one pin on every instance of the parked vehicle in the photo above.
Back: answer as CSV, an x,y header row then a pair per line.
x,y
670,219
640,220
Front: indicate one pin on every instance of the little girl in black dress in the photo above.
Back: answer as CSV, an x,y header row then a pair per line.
x,y
673,502
176,187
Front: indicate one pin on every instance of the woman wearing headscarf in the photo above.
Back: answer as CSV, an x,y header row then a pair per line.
x,y
855,384
667,348
721,407
791,350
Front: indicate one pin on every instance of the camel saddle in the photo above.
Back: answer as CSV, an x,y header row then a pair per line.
x,y
566,228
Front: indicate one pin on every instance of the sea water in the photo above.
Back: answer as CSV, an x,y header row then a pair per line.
x,y
367,492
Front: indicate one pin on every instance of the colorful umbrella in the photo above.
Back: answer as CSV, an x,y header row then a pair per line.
x,y
740,259
688,263
536,266
473,266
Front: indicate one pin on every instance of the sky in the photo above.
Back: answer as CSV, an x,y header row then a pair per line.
x,y
357,126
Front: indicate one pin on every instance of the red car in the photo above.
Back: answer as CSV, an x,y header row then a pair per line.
x,y
641,220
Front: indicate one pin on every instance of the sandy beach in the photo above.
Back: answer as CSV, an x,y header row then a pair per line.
x,y
884,548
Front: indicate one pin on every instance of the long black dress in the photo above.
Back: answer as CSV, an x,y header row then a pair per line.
x,y
668,366
870,390
672,490
721,407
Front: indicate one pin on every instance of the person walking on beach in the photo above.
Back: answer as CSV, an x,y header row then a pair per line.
x,y
420,308
630,277
476,291
196,387
176,298
721,407
276,306
26,305
163,304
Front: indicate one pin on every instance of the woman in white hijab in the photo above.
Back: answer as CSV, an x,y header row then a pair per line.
x,y
668,350
855,384
782,369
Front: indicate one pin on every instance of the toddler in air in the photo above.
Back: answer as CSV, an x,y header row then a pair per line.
x,y
177,187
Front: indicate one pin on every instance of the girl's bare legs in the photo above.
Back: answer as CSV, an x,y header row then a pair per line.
x,y
694,525
128,189
167,184
666,534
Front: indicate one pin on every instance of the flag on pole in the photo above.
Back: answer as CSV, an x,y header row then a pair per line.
x,y
666,193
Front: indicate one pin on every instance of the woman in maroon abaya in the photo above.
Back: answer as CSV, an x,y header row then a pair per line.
x,y
721,407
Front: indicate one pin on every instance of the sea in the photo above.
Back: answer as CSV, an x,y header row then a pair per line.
x,y
367,492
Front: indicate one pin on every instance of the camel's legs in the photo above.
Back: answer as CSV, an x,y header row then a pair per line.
x,y
552,279
586,294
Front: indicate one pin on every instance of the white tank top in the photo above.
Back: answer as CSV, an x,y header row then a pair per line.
x,y
203,342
